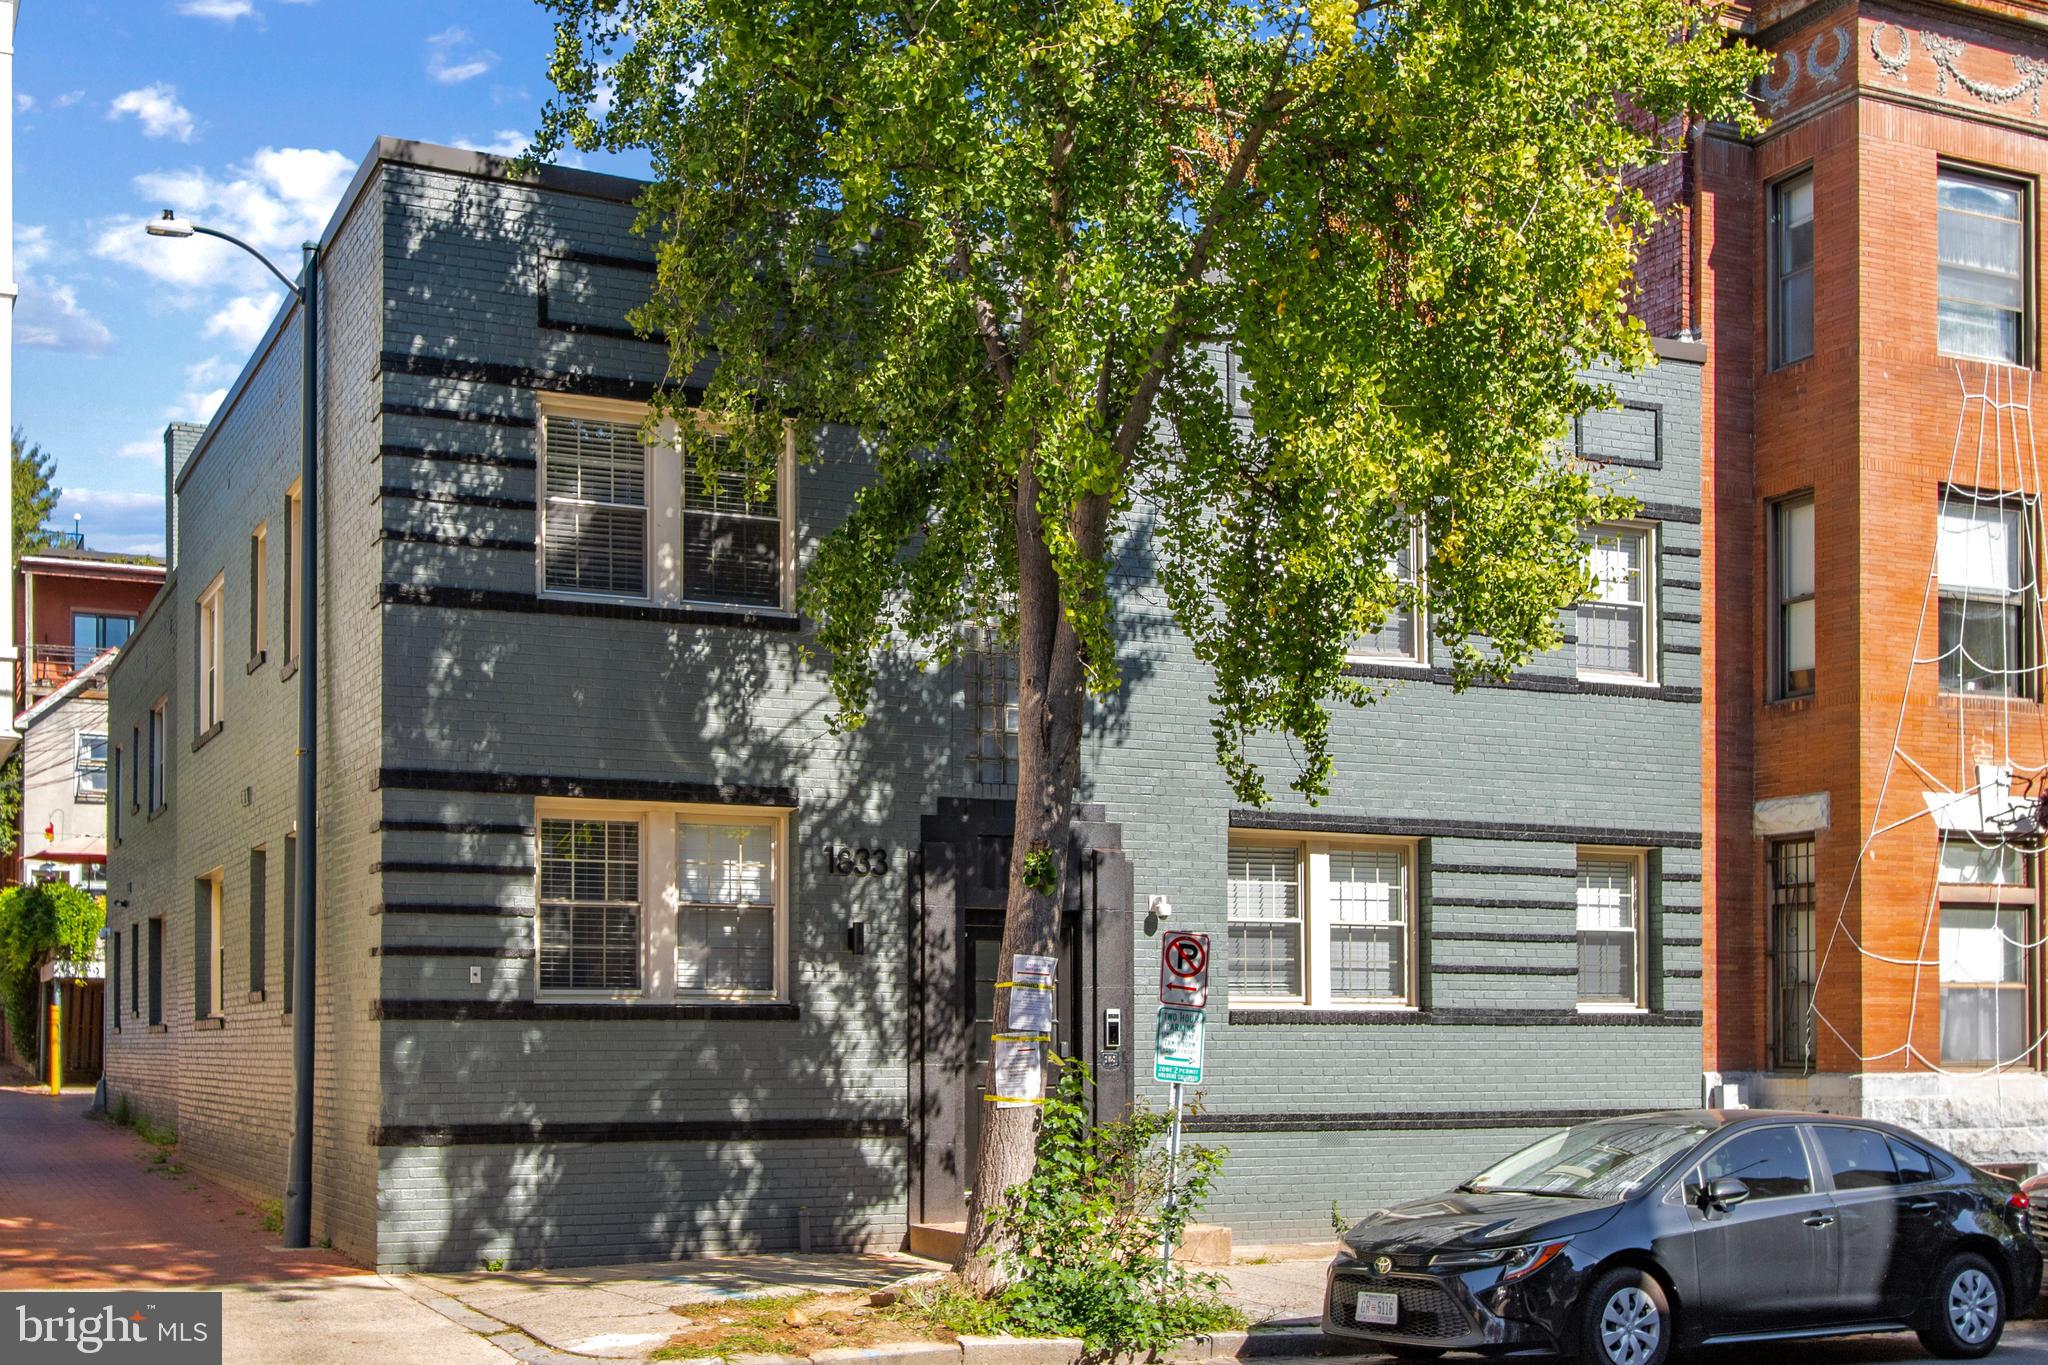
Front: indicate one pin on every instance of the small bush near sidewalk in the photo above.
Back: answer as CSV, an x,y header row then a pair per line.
x,y
1081,1237
1082,1243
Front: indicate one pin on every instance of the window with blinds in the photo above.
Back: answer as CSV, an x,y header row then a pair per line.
x,y
589,907
1981,276
1368,924
1265,921
1614,623
732,539
1985,563
1400,638
594,520
1610,923
1322,922
726,907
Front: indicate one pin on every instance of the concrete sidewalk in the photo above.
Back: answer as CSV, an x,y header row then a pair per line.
x,y
622,1312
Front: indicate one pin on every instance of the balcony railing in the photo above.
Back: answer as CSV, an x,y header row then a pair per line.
x,y
45,668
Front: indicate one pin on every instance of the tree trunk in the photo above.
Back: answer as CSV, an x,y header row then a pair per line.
x,y
1051,704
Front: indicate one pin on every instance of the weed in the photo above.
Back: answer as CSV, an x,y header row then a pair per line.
x,y
273,1215
494,1264
124,1112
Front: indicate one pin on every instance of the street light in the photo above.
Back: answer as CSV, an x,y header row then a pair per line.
x,y
298,1190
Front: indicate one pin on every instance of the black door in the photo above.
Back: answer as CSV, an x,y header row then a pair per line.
x,y
957,901
1772,1261
1890,1233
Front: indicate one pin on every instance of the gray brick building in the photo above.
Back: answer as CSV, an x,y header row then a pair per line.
x,y
623,954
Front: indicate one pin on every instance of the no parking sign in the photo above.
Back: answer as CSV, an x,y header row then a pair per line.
x,y
1184,970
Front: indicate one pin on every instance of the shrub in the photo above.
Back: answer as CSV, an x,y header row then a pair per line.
x,y
1080,1239
42,922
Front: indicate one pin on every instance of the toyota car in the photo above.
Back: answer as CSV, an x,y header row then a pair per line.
x,y
1623,1240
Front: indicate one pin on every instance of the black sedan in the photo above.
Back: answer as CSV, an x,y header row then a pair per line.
x,y
1622,1240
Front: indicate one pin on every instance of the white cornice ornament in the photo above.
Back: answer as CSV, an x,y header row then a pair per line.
x,y
1946,54
1894,64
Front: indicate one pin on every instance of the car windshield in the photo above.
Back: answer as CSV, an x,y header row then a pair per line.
x,y
1592,1161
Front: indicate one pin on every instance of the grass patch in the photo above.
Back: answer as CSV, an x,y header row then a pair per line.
x,y
273,1215
799,1324
940,1310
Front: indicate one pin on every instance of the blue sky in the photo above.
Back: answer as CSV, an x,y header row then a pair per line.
x,y
247,115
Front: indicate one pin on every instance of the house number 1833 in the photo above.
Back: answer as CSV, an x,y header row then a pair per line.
x,y
857,862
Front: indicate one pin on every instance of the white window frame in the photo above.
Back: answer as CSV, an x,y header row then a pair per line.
x,y
294,571
2024,188
1780,191
1417,656
664,491
1650,604
259,591
159,773
1317,905
660,896
1783,600
2020,683
1638,860
211,685
216,984
81,765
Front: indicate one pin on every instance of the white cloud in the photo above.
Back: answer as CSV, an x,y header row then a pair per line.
x,y
243,319
504,142
156,107
197,405
275,200
148,448
49,316
454,57
32,244
23,101
67,99
126,523
225,10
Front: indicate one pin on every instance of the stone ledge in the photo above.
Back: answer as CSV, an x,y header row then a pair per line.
x,y
1021,1350
897,1353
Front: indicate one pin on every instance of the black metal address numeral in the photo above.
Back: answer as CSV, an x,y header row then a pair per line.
x,y
857,862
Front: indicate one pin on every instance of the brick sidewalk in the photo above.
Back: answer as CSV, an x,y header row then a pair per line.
x,y
82,1206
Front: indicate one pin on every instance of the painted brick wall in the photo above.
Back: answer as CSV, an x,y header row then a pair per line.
x,y
439,315
225,1082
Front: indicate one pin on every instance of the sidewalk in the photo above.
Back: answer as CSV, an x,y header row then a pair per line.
x,y
82,1206
623,1312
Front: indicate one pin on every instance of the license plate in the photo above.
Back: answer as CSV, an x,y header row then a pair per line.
x,y
1380,1308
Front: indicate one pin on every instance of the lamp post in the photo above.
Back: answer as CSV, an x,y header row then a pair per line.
x,y
298,1190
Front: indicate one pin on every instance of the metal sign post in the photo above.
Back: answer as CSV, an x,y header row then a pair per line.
x,y
1167,1204
1177,1052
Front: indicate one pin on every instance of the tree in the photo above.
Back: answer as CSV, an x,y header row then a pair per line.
x,y
40,923
1003,240
35,494
35,498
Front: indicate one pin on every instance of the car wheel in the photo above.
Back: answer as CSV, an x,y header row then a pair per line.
x,y
1625,1320
1965,1316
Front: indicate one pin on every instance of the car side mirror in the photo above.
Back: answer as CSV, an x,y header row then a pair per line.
x,y
1724,1194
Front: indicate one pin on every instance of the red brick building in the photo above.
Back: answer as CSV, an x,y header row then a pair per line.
x,y
1866,275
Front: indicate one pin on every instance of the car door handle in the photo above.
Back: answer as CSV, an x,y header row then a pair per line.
x,y
1922,1205
1819,1220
